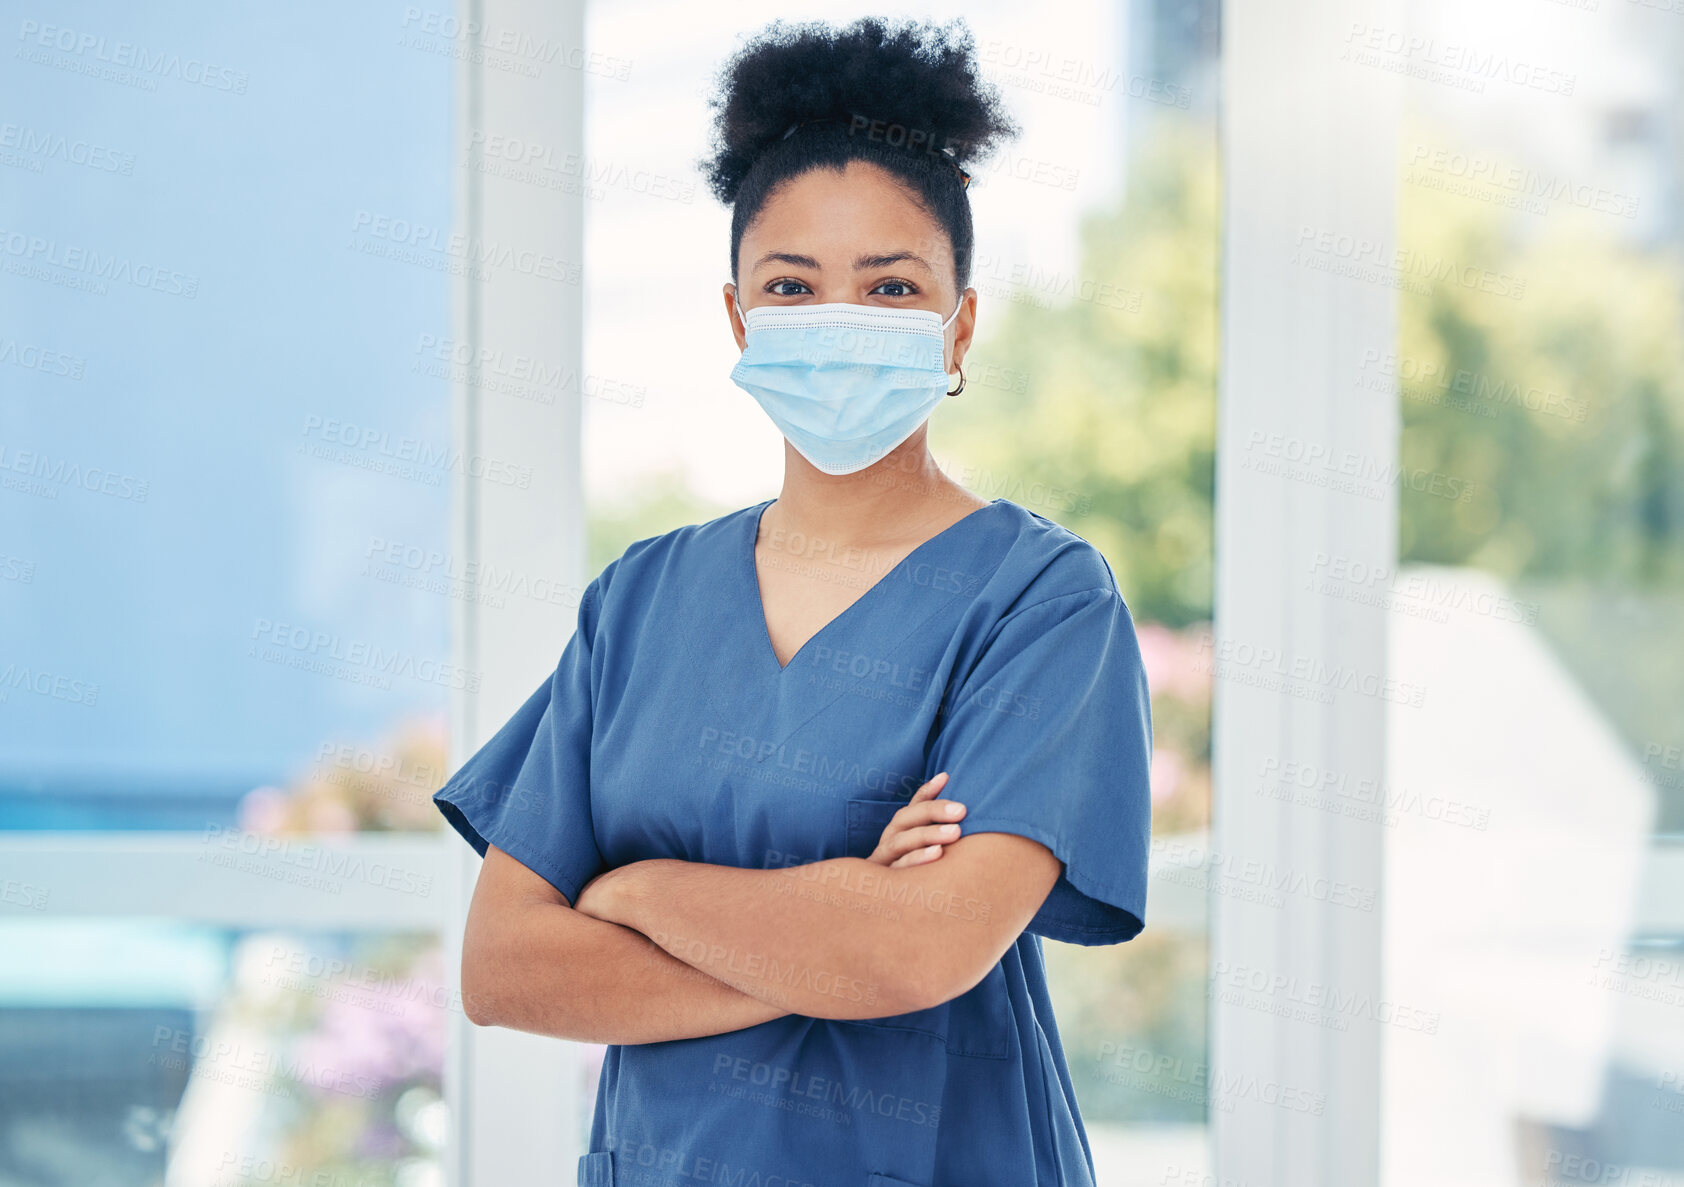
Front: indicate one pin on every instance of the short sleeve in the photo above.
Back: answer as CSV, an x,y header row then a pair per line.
x,y
1050,737
527,790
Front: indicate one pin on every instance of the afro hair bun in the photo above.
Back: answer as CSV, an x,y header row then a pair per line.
x,y
919,78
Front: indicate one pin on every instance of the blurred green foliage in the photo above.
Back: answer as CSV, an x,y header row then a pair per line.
x,y
1564,408
666,503
1104,416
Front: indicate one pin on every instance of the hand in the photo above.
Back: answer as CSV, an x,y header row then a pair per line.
x,y
917,832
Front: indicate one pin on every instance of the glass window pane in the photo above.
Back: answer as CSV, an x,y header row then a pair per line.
x,y
224,472
1535,797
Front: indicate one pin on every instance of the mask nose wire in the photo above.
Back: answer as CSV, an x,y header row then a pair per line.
x,y
738,303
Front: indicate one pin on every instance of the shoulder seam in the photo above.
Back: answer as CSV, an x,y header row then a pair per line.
x,y
1001,625
1075,593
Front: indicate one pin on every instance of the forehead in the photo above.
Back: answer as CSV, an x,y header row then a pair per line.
x,y
836,215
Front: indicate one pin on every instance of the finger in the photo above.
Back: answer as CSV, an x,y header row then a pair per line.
x,y
906,840
930,789
928,812
930,834
917,857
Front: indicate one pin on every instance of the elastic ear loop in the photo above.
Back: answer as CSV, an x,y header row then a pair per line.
x,y
944,326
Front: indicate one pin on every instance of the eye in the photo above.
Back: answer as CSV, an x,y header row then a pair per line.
x,y
908,289
776,287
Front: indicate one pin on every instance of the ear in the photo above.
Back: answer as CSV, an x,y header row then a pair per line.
x,y
964,328
737,329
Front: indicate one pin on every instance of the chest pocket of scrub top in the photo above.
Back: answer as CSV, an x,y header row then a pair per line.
x,y
978,1021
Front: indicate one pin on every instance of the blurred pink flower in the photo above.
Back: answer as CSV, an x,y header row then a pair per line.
x,y
1174,660
263,809
1168,767
329,816
377,1032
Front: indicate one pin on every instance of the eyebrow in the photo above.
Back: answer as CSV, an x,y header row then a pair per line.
x,y
861,263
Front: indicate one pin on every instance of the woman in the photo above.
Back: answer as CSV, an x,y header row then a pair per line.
x,y
716,838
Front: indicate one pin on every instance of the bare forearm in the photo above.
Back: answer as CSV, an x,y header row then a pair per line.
x,y
551,970
841,938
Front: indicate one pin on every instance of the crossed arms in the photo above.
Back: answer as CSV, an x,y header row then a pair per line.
x,y
668,949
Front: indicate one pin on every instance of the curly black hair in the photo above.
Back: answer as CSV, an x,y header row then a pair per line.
x,y
905,96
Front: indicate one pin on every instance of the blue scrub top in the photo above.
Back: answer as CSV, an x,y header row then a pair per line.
x,y
1000,651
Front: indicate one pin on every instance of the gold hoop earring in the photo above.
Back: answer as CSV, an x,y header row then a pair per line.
x,y
961,386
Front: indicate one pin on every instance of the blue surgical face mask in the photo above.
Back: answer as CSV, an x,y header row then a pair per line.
x,y
844,383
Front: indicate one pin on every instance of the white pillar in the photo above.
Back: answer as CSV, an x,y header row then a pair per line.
x,y
1308,142
521,63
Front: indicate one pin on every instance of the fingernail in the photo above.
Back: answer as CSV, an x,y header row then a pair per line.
x,y
947,830
932,850
953,808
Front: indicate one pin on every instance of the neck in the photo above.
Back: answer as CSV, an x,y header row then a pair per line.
x,y
881,502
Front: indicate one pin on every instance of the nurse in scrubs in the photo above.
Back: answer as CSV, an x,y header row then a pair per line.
x,y
788,824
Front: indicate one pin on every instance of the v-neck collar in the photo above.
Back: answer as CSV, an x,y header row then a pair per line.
x,y
757,601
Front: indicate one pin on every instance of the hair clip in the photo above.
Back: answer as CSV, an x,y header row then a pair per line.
x,y
953,159
790,131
